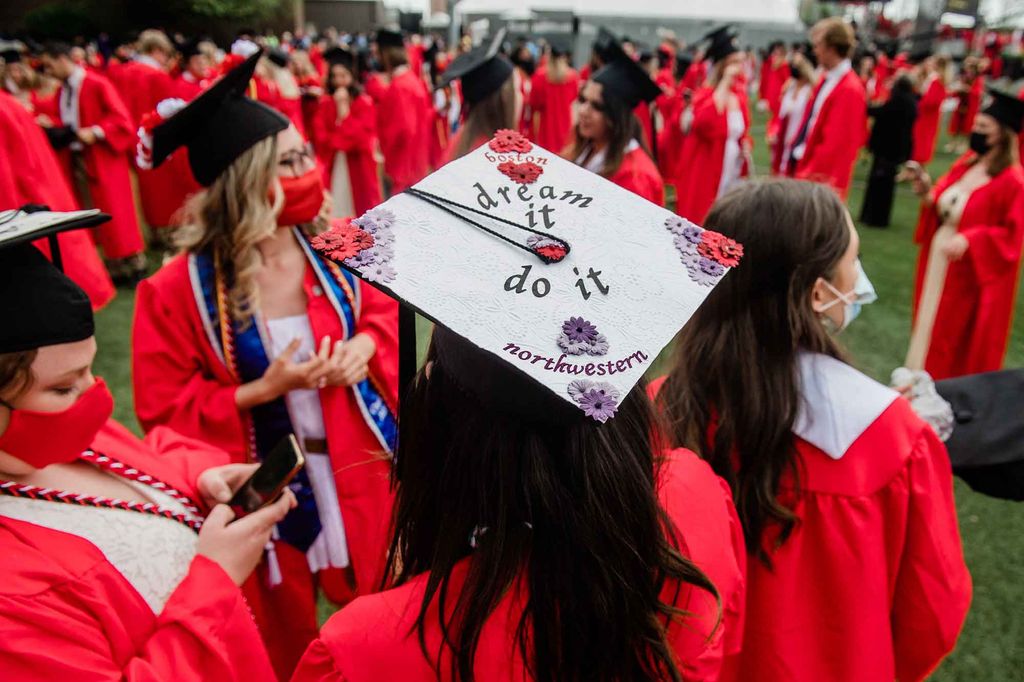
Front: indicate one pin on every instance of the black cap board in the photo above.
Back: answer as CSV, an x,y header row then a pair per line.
x,y
219,125
622,77
278,56
722,42
388,38
341,56
1005,108
482,70
189,48
42,305
10,56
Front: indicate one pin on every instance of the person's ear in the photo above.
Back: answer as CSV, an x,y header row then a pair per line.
x,y
821,296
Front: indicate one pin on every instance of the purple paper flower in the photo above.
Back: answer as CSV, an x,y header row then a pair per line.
x,y
380,273
572,347
705,271
599,346
676,225
683,245
598,405
578,329
607,389
692,233
691,259
376,219
579,387
710,267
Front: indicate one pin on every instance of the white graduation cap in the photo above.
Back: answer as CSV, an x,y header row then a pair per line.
x,y
567,277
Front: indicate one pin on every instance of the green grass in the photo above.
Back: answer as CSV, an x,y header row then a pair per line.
x,y
992,644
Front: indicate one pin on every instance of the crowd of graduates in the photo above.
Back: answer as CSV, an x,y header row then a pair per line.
x,y
763,511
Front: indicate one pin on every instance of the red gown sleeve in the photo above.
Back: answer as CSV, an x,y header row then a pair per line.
x,y
378,319
317,665
63,631
708,121
170,386
832,160
996,248
116,122
933,588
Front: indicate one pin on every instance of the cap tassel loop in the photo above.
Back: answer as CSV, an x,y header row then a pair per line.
x,y
548,248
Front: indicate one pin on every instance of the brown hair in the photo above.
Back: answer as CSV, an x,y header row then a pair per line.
x,y
623,126
837,34
489,115
393,56
732,394
1006,152
16,372
152,40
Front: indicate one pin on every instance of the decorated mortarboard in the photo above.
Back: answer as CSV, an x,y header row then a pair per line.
x,y
341,56
482,70
623,77
554,288
42,306
217,127
1006,108
385,37
722,42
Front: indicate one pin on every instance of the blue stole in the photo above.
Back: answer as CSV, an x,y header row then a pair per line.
x,y
244,353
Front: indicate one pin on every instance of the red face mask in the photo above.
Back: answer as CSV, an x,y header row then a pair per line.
x,y
303,197
43,438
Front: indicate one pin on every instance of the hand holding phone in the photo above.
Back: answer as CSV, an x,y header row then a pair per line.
x,y
267,483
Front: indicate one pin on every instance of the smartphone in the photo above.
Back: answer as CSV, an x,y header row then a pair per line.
x,y
267,483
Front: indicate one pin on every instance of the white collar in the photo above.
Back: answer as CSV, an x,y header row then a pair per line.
x,y
76,78
148,61
837,403
596,162
839,70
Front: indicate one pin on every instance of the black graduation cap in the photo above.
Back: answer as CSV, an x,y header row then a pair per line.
x,y
684,59
10,55
278,57
987,445
42,305
919,55
219,125
622,76
339,55
722,42
388,38
1005,108
190,48
483,70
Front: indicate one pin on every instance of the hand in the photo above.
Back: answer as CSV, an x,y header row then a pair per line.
x,y
44,121
284,374
349,360
343,101
238,547
217,484
955,248
87,136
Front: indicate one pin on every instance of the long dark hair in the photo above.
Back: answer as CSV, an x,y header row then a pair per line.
x,y
354,89
566,511
623,126
488,116
733,394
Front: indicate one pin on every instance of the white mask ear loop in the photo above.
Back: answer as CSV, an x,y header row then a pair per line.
x,y
840,297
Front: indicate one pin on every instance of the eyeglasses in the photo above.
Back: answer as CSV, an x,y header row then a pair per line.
x,y
594,104
297,161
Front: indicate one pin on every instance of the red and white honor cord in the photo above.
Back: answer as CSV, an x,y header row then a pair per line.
x,y
192,518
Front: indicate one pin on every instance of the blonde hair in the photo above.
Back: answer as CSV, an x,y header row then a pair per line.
x,y
231,217
837,34
152,40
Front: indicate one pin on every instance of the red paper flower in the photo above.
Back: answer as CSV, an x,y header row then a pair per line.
x,y
506,140
553,253
719,248
342,241
523,173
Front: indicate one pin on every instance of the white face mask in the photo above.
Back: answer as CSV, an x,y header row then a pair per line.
x,y
863,293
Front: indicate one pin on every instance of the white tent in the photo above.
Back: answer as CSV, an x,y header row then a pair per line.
x,y
761,12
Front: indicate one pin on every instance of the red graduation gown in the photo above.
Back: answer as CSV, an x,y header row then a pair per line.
x,y
180,382
872,584
106,164
552,109
356,136
66,613
972,324
370,638
926,126
639,175
162,190
30,174
838,134
703,155
404,116
962,119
